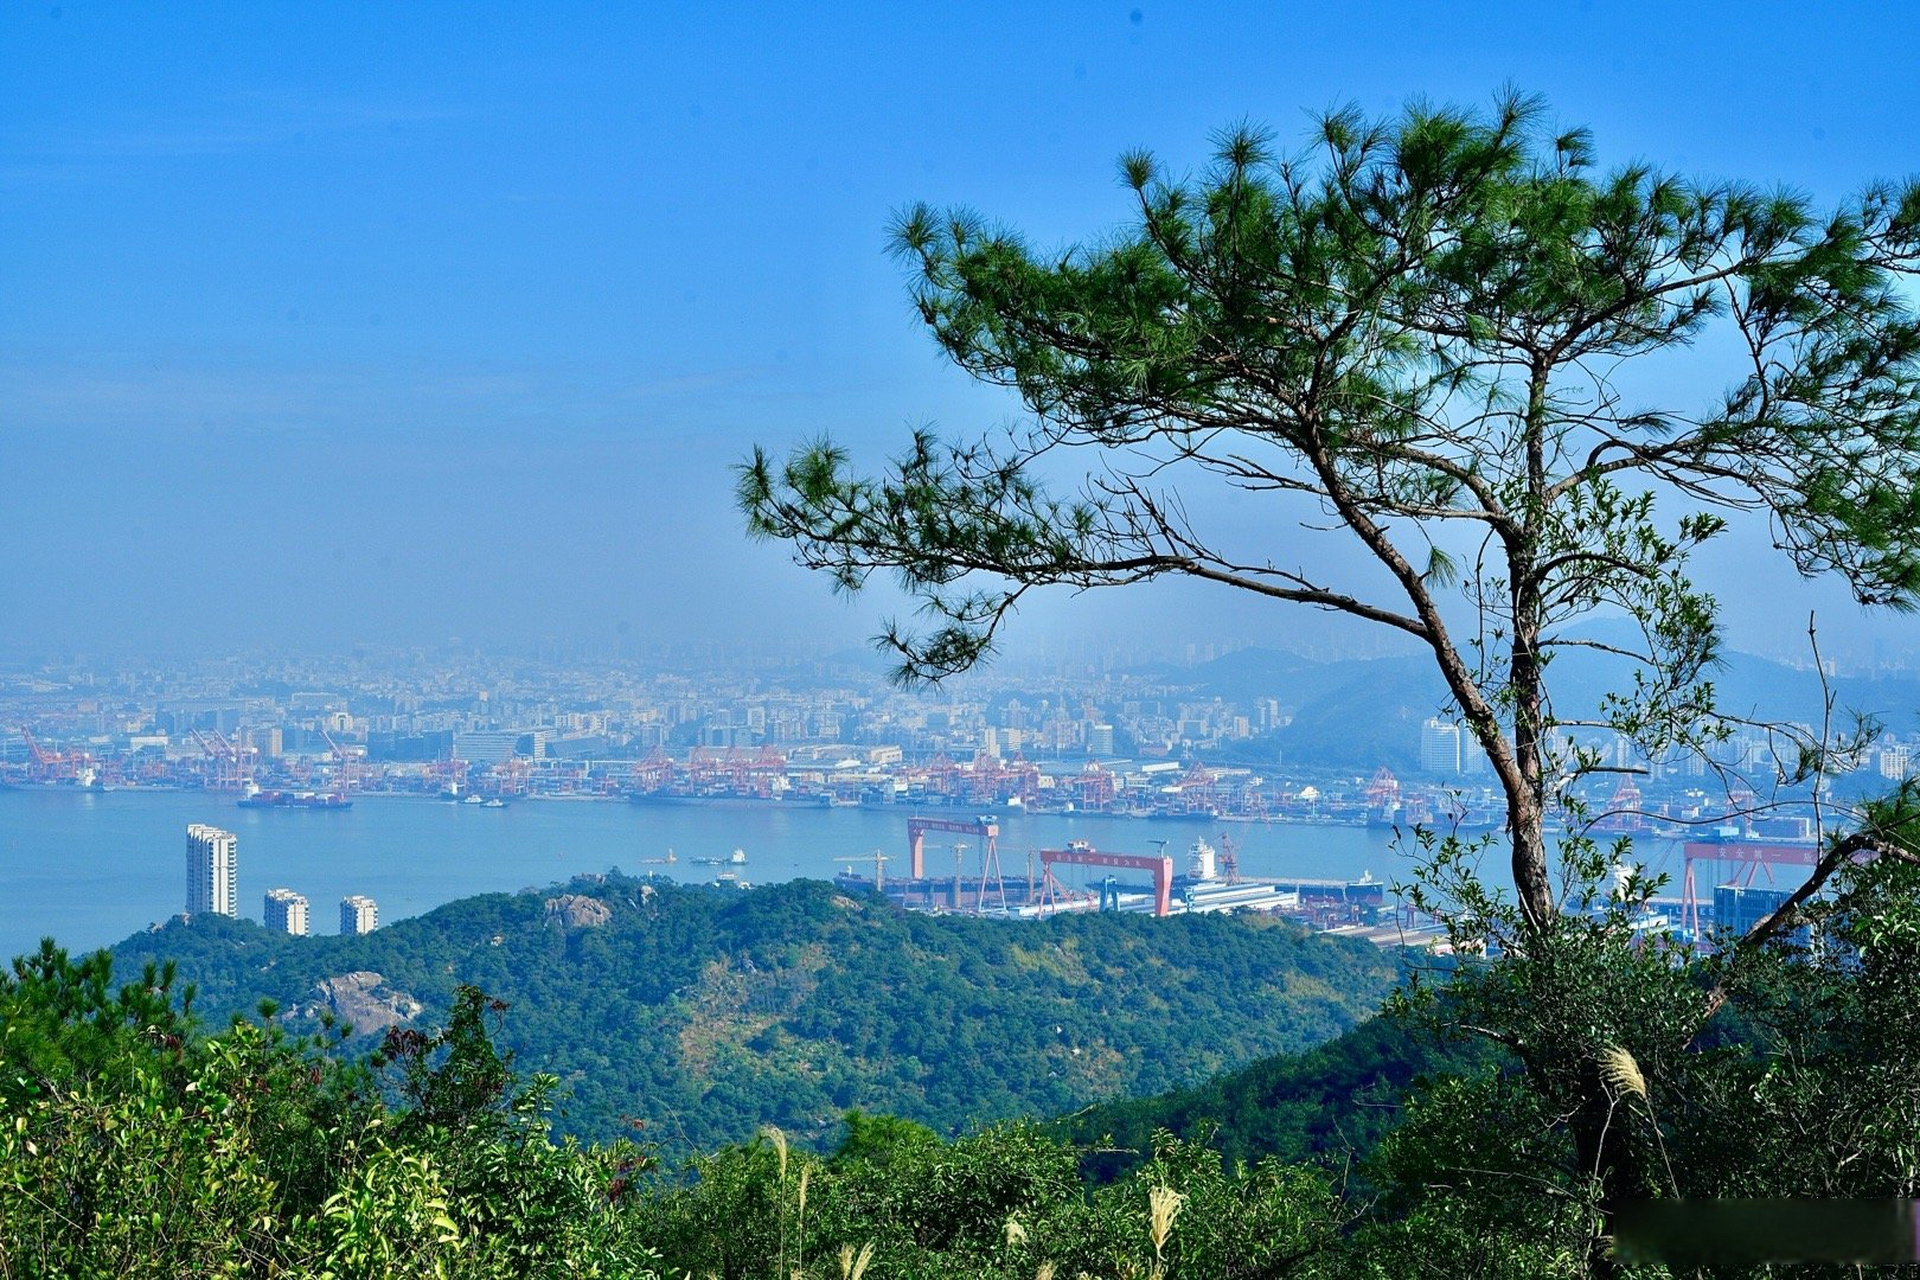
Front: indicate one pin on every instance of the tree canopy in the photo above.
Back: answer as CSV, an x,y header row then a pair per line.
x,y
1447,338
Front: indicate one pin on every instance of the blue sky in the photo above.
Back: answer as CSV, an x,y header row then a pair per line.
x,y
333,323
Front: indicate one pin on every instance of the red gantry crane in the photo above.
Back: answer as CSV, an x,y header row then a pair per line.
x,y
1751,856
987,828
1081,853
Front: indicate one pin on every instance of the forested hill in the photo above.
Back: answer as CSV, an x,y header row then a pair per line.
x,y
707,1013
1337,1099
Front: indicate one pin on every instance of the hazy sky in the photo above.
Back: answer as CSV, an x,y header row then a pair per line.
x,y
330,323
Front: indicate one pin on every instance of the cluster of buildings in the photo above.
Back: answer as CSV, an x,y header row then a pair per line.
x,y
213,872
206,723
1081,735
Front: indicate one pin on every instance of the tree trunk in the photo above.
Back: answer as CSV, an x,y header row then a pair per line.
x,y
1526,802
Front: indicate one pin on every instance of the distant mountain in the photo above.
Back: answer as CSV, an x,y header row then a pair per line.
x,y
706,1013
1363,714
1244,671
1358,714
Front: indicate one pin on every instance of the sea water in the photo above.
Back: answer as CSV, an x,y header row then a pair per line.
x,y
89,868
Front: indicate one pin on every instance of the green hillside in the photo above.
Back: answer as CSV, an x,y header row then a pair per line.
x,y
706,1013
1336,1100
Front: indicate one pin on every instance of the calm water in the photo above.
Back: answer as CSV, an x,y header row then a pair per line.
x,y
91,868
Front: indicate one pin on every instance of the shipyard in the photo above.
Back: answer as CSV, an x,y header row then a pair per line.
x,y
1206,880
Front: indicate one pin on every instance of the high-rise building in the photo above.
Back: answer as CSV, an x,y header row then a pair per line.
x,y
1895,760
358,915
1440,747
286,912
213,858
487,746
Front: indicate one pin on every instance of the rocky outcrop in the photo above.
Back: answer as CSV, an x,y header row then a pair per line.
x,y
361,999
573,911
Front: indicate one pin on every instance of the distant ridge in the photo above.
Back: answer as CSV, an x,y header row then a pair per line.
x,y
1360,713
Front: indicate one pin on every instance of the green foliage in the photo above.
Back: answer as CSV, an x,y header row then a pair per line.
x,y
707,1015
64,1020
252,1152
1331,1105
879,1139
390,1219
1633,1069
256,1152
1413,335
1005,1202
453,1079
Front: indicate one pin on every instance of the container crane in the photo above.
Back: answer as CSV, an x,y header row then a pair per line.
x,y
224,773
345,762
55,766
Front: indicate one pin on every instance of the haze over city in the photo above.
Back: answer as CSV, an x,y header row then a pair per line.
x,y
400,325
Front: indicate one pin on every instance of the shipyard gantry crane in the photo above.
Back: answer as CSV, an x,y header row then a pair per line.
x,y
986,827
1082,853
1753,856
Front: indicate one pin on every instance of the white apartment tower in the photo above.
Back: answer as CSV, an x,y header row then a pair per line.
x,y
358,915
286,912
1440,747
213,858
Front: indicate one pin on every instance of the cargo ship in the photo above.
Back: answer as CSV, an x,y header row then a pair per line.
x,y
295,800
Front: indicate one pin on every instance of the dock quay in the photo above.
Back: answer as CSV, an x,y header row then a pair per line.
x,y
1207,881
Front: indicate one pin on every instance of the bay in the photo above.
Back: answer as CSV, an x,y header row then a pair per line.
x,y
89,868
